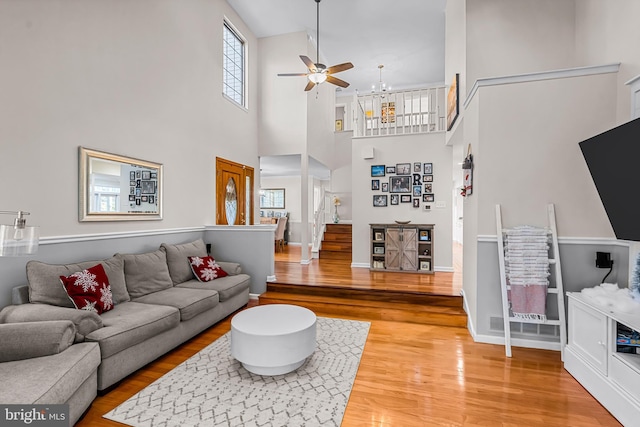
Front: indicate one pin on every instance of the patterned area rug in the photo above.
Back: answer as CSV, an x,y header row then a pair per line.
x,y
213,389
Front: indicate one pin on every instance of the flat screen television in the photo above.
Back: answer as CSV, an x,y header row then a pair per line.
x,y
613,158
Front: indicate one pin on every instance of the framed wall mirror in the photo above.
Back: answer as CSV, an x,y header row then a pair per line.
x,y
118,188
272,198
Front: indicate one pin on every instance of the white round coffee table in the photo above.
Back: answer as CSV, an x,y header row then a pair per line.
x,y
273,339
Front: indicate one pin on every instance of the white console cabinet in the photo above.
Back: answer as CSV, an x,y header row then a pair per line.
x,y
592,357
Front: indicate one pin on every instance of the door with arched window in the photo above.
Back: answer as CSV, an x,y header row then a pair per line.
x,y
234,193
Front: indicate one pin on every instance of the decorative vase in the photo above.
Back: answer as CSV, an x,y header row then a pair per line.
x,y
336,217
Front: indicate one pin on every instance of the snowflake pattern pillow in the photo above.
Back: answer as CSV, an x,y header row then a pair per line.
x,y
89,289
205,268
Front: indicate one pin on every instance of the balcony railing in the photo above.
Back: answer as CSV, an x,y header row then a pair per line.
x,y
400,112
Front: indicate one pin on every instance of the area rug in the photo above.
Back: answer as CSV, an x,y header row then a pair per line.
x,y
213,389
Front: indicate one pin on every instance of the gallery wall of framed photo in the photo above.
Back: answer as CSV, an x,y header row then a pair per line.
x,y
409,184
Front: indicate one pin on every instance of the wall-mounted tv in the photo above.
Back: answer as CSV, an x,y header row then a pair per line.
x,y
613,158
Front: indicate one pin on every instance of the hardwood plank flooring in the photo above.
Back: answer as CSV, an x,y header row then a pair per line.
x,y
413,374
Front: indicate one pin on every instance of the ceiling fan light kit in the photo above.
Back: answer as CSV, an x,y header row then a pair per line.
x,y
319,73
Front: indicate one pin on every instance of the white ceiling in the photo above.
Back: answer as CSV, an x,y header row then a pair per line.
x,y
406,36
274,166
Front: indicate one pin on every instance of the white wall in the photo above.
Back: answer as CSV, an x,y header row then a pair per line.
x,y
137,78
505,37
390,151
607,31
341,174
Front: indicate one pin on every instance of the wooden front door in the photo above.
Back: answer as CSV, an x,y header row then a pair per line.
x,y
234,193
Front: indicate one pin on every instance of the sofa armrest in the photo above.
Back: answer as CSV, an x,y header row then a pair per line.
x,y
26,340
84,321
231,268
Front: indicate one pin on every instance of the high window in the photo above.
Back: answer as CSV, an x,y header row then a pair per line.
x,y
233,65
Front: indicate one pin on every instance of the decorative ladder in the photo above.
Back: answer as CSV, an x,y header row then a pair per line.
x,y
554,261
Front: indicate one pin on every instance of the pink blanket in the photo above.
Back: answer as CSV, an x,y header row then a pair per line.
x,y
528,302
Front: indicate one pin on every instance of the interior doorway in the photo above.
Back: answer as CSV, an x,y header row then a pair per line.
x,y
234,193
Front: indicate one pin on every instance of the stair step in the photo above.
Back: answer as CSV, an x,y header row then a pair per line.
x,y
336,246
338,228
371,309
324,254
336,237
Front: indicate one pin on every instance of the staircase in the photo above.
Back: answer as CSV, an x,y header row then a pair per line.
x,y
336,243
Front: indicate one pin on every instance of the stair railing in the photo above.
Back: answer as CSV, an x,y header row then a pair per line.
x,y
318,225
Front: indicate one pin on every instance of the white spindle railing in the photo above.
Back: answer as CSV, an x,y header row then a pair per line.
x,y
318,224
400,112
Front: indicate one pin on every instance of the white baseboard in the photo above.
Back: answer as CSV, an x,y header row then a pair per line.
x,y
443,269
360,265
254,297
271,278
518,342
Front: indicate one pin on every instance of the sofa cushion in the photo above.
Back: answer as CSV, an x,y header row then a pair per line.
x,y
227,287
48,380
190,302
205,268
44,280
26,340
146,273
84,321
89,289
177,255
131,323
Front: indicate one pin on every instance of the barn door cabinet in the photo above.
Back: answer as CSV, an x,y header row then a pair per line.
x,y
406,248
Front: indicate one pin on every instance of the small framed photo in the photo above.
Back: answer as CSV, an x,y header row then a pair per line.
x,y
416,203
395,198
148,187
429,197
424,198
403,168
400,184
377,170
405,198
417,167
391,169
375,184
417,190
144,199
378,250
146,175
137,174
132,176
428,168
138,202
154,175
138,194
425,265
378,235
132,183
428,188
132,190
152,199
424,236
385,187
380,200
132,198
427,178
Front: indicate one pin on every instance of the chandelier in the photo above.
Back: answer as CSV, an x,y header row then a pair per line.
x,y
381,88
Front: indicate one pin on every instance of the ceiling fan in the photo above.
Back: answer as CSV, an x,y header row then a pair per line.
x,y
318,72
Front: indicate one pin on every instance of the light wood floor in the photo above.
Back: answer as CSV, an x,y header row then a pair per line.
x,y
423,375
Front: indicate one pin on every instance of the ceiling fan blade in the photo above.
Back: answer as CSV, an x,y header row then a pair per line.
x,y
309,86
309,63
340,67
292,74
336,81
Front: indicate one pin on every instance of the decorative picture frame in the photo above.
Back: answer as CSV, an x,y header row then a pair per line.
x,y
339,125
375,184
428,188
453,103
385,187
405,198
377,170
416,203
378,236
148,187
395,199
424,236
146,175
417,167
429,197
379,200
403,168
425,265
400,184
428,169
427,178
378,250
391,169
417,190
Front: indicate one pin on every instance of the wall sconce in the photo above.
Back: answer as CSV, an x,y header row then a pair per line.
x,y
18,239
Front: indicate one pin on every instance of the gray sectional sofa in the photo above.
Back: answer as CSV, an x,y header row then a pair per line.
x,y
158,304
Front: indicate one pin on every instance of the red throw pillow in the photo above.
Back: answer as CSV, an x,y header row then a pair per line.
x,y
89,289
205,268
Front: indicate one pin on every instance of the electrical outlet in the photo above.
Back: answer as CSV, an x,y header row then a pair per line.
x,y
603,260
